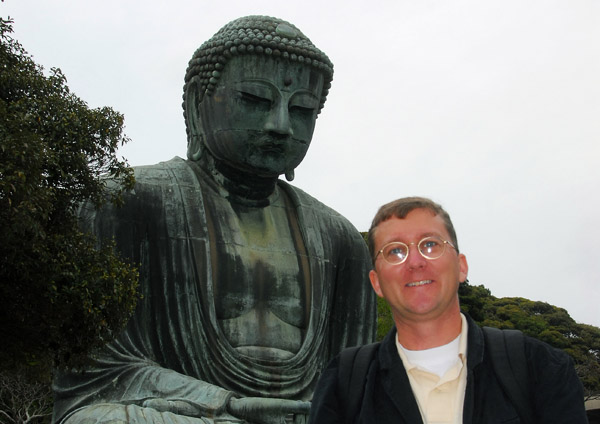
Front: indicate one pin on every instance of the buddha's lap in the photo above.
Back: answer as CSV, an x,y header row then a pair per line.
x,y
112,413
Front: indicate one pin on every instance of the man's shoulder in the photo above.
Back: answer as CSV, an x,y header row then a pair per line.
x,y
544,354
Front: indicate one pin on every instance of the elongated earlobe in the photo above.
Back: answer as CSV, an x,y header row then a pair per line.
x,y
195,147
194,128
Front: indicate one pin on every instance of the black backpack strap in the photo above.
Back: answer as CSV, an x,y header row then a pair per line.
x,y
352,374
507,352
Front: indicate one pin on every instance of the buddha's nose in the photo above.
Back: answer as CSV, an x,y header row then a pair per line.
x,y
278,121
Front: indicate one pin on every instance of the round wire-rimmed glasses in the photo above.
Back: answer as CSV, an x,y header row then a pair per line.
x,y
431,248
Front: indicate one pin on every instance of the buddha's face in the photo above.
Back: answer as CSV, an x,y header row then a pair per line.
x,y
262,114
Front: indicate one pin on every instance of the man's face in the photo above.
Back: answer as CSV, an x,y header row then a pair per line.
x,y
418,289
262,114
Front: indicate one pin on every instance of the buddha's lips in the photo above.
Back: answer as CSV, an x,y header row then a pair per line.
x,y
269,144
419,283
272,147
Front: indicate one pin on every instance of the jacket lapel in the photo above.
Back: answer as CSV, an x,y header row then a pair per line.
x,y
395,379
474,358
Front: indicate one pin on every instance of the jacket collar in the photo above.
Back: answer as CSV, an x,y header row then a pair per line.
x,y
395,377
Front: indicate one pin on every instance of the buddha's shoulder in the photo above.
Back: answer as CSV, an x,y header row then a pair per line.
x,y
164,177
311,206
162,171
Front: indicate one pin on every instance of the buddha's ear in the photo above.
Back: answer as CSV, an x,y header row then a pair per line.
x,y
195,129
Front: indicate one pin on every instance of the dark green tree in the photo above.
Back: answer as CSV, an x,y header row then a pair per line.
x,y
62,293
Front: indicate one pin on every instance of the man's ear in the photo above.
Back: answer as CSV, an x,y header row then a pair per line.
x,y
193,100
463,267
375,282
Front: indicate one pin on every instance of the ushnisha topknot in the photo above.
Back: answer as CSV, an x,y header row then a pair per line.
x,y
254,35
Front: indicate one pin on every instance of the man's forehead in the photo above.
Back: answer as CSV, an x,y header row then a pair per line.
x,y
417,223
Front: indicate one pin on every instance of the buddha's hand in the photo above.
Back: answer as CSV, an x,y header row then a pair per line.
x,y
181,407
258,410
178,407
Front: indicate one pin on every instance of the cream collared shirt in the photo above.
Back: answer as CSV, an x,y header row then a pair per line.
x,y
440,399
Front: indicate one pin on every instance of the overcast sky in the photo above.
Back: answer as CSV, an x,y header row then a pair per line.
x,y
491,108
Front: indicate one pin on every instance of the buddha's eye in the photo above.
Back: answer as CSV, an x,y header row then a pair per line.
x,y
254,99
304,111
303,103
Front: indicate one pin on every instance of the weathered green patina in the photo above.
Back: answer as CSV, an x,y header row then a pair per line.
x,y
250,286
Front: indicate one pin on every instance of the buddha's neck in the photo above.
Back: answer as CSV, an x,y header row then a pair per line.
x,y
238,185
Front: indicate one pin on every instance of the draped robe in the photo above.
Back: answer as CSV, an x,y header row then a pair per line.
x,y
173,347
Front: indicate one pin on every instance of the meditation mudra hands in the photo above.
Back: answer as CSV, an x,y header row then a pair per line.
x,y
252,410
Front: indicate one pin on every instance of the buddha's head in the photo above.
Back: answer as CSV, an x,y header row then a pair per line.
x,y
252,94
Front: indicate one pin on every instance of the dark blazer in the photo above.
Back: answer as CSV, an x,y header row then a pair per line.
x,y
556,392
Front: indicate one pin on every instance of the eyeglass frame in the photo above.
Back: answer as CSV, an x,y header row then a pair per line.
x,y
444,242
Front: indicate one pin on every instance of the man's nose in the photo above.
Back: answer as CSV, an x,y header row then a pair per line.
x,y
415,259
278,121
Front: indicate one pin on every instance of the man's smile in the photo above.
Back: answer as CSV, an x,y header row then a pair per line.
x,y
419,283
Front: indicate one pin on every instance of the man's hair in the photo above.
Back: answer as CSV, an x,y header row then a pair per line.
x,y
254,35
402,207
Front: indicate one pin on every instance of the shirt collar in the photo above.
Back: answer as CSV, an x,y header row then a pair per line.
x,y
462,345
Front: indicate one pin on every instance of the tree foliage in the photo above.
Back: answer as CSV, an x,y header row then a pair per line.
x,y
62,294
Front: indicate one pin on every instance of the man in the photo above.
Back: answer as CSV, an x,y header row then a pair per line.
x,y
250,286
433,367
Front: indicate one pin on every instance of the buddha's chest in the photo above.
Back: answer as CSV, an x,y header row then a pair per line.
x,y
265,277
260,277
